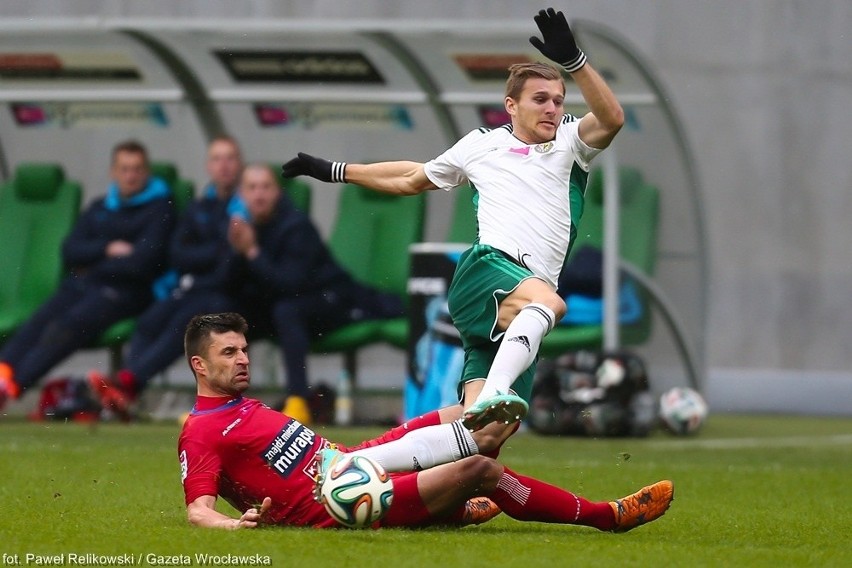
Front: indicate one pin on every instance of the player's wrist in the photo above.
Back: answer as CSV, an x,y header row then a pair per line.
x,y
575,63
338,172
328,171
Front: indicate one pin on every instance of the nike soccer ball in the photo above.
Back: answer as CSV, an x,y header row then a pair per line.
x,y
683,410
356,491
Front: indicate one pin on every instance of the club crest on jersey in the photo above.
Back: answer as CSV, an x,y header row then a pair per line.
x,y
288,448
544,147
184,466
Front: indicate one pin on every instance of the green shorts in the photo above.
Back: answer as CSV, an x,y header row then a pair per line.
x,y
484,276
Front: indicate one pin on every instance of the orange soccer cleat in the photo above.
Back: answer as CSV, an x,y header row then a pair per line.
x,y
642,507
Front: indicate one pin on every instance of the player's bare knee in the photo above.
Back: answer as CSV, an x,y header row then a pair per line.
x,y
554,302
482,473
557,304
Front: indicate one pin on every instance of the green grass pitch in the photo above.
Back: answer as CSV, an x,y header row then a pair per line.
x,y
749,491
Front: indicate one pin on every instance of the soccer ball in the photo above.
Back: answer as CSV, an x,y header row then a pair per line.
x,y
683,410
356,491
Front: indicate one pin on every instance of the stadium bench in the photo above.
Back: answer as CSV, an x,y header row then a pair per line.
x,y
370,239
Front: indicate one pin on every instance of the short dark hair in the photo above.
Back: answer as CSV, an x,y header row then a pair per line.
x,y
196,339
520,72
131,147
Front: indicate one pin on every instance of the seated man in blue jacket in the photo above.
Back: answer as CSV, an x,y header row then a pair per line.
x,y
113,254
272,264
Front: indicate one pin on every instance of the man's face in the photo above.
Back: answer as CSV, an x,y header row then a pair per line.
x,y
538,110
225,367
260,193
129,172
224,166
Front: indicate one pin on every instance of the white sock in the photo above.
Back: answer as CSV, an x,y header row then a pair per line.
x,y
518,349
424,448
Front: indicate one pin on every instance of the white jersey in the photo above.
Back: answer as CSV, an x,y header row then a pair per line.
x,y
526,192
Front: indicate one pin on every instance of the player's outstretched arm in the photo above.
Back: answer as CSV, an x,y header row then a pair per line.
x,y
202,513
606,117
602,123
396,178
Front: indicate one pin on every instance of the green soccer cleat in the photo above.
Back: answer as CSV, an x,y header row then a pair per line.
x,y
505,408
325,460
642,507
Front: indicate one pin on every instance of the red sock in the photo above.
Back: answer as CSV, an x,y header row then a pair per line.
x,y
528,499
127,381
428,419
407,508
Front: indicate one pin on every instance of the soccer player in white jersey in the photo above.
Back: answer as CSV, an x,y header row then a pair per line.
x,y
530,177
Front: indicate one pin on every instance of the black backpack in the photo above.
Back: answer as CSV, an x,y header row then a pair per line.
x,y
589,393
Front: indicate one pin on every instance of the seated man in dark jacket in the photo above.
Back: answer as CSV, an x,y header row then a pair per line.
x,y
200,255
287,280
273,265
113,254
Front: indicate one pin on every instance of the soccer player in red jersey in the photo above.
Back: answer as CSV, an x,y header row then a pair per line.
x,y
263,462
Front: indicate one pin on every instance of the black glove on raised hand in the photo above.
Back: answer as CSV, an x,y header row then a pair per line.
x,y
307,165
559,44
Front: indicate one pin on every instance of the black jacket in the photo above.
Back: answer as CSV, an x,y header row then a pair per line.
x,y
293,260
147,226
199,246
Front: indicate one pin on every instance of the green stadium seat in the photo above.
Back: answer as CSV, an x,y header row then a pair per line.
x,y
370,239
299,193
639,215
462,230
183,190
297,190
463,222
38,207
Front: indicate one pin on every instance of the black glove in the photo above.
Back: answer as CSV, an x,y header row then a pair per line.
x,y
559,44
307,165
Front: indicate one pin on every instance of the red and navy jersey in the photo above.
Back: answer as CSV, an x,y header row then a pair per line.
x,y
243,450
